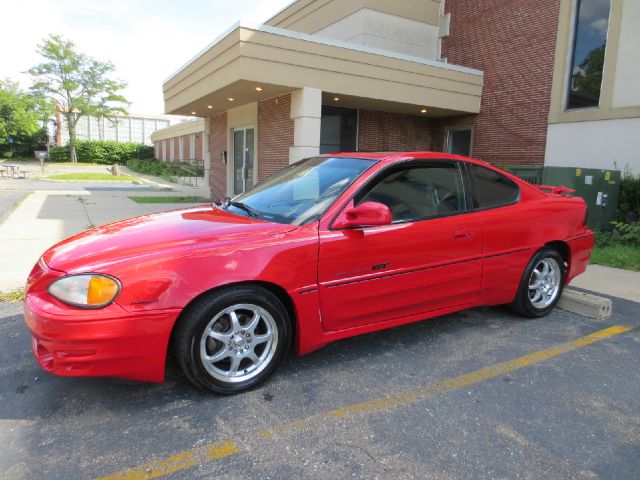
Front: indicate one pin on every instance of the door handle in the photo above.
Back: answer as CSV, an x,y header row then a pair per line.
x,y
464,234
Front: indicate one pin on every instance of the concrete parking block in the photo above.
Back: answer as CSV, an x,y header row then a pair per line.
x,y
585,304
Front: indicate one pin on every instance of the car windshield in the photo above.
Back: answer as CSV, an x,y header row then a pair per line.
x,y
300,193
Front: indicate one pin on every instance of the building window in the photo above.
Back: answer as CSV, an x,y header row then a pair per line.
x,y
192,147
181,147
172,150
338,129
459,141
588,51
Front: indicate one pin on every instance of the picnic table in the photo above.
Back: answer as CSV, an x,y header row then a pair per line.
x,y
13,171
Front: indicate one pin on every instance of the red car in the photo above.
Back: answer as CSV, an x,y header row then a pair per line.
x,y
327,248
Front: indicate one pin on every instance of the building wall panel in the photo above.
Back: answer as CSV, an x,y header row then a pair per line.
x,y
218,144
275,135
383,131
515,48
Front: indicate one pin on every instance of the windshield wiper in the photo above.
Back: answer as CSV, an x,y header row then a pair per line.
x,y
252,213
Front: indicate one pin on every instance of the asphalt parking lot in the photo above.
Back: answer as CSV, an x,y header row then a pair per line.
x,y
478,394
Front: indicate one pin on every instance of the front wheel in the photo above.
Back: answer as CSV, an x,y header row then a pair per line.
x,y
541,284
231,340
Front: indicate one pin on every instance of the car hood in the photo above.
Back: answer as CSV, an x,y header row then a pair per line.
x,y
152,235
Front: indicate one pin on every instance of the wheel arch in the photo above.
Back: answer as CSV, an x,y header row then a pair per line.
x,y
275,289
564,250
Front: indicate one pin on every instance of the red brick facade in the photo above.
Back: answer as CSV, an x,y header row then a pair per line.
x,y
186,150
186,147
514,44
275,135
218,144
439,130
176,149
382,131
198,149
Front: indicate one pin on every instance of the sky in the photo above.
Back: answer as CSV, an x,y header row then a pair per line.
x,y
147,40
593,25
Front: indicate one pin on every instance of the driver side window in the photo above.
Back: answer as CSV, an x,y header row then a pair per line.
x,y
419,192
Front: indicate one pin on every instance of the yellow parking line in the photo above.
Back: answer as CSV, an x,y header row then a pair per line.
x,y
177,462
218,450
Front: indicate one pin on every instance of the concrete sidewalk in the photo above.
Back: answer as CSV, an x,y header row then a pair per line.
x,y
610,281
46,217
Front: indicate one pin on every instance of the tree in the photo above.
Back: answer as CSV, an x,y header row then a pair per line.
x,y
80,85
22,117
588,79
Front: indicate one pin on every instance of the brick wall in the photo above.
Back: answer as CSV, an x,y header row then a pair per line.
x,y
383,131
186,147
176,149
186,142
217,144
275,135
513,42
440,126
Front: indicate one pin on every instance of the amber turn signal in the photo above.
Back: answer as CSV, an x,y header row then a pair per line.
x,y
101,290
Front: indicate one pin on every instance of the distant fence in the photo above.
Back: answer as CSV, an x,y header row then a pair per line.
x,y
532,175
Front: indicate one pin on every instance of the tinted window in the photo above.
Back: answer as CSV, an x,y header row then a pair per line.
x,y
491,188
338,129
302,192
459,141
420,192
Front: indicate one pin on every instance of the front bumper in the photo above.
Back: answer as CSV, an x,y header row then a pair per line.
x,y
108,342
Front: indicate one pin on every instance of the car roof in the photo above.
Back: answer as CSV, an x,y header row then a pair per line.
x,y
391,157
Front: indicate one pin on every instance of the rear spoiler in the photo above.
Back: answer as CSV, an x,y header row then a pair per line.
x,y
559,190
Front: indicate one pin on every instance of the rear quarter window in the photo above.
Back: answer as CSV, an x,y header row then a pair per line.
x,y
491,189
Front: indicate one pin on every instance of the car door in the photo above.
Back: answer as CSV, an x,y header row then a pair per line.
x,y
508,231
427,259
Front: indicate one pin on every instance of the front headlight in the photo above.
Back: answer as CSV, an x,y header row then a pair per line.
x,y
86,290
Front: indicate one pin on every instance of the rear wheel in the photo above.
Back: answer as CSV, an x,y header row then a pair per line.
x,y
231,340
541,284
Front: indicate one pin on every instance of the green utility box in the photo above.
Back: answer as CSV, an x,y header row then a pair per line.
x,y
599,188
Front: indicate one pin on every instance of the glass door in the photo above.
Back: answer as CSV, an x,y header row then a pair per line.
x,y
459,141
243,159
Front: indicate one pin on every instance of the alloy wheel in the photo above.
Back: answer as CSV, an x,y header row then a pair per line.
x,y
544,283
238,343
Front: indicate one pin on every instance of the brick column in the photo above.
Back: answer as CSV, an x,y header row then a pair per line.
x,y
217,144
206,153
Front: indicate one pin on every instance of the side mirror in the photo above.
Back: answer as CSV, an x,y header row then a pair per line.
x,y
365,214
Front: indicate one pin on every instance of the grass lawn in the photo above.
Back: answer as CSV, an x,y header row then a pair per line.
x,y
91,176
617,255
71,164
169,199
17,160
14,296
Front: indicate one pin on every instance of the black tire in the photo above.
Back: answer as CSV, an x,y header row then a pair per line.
x,y
191,346
523,304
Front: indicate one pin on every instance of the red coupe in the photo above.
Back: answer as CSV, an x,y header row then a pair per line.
x,y
327,248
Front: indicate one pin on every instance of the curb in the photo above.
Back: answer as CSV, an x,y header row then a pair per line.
x,y
585,304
